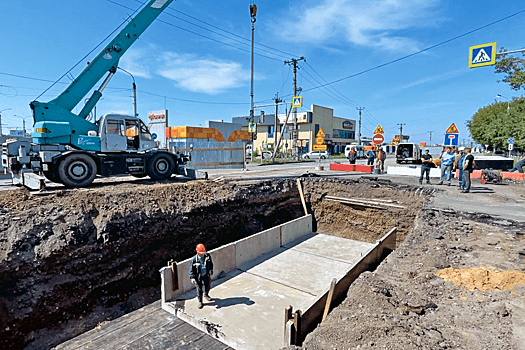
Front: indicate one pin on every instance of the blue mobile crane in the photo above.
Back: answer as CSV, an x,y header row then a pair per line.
x,y
69,149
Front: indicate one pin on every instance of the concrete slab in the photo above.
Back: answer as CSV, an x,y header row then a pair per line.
x,y
248,310
335,248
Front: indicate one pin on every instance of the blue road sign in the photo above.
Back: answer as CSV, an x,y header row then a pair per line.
x,y
482,55
510,140
451,139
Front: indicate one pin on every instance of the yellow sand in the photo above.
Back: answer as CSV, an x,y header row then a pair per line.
x,y
482,279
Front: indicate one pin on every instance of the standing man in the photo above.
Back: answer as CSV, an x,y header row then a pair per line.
x,y
426,160
460,163
467,170
447,161
371,156
352,156
201,270
380,162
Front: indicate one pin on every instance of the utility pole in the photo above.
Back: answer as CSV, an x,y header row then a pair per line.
x,y
401,132
253,13
359,135
277,101
293,62
430,133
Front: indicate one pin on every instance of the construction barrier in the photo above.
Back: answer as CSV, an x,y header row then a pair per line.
x,y
476,174
352,167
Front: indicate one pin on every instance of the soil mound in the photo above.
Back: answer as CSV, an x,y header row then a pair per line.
x,y
482,279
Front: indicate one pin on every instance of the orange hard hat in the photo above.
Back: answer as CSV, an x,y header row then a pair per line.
x,y
200,248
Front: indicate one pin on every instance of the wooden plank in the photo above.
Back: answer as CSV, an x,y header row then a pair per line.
x,y
372,202
302,196
329,298
356,204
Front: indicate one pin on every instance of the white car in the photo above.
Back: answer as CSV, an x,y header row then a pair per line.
x,y
316,155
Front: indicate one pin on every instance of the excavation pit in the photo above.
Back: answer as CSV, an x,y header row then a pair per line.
x,y
75,258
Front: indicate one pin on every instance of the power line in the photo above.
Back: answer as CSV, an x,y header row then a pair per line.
x,y
204,36
417,53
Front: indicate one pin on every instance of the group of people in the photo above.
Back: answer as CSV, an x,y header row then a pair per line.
x,y
451,159
376,156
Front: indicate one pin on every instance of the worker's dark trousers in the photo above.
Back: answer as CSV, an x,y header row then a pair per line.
x,y
203,285
466,180
425,170
370,161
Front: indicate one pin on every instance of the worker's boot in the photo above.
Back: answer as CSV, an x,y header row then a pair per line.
x,y
207,297
199,305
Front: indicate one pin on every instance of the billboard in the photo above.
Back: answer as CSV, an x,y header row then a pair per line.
x,y
157,123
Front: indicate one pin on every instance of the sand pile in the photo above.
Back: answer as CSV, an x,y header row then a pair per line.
x,y
482,279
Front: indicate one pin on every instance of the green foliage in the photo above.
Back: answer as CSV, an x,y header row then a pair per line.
x,y
513,67
494,124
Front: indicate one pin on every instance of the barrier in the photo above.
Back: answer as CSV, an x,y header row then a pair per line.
x,y
352,167
234,255
476,174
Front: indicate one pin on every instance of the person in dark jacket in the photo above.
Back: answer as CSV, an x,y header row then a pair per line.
x,y
468,167
371,156
201,270
352,156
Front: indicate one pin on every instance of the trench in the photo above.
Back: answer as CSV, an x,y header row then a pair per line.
x,y
78,259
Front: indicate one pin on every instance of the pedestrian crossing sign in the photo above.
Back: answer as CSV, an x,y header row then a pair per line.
x,y
252,128
297,101
482,55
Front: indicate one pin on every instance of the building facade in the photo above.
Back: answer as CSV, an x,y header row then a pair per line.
x,y
339,132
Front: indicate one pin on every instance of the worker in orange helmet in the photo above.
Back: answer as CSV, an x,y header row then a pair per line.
x,y
201,270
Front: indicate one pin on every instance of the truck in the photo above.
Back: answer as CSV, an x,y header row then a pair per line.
x,y
67,148
408,153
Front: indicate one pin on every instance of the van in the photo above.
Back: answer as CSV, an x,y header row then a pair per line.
x,y
408,153
359,150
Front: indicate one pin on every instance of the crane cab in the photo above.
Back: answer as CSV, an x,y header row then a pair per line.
x,y
122,133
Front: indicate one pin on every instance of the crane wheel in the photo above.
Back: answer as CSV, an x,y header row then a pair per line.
x,y
160,166
77,170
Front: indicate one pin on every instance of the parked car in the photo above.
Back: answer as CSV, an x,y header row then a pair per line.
x,y
316,155
266,155
408,153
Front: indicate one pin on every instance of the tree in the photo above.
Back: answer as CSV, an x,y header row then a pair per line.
x,y
495,123
513,67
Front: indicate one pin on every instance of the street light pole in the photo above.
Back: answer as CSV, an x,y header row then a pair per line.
x,y
1,134
508,102
359,135
134,92
253,13
430,133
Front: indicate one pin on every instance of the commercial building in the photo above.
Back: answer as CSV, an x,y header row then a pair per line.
x,y
338,131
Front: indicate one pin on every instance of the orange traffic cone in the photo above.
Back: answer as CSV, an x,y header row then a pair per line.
x,y
483,179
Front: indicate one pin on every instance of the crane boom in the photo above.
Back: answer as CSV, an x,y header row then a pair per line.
x,y
109,57
59,110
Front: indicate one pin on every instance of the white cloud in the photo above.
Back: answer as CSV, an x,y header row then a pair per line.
x,y
207,75
372,23
132,61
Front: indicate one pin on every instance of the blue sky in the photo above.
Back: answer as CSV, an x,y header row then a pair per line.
x,y
201,71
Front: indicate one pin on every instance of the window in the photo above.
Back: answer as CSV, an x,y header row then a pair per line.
x,y
116,127
132,128
144,132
